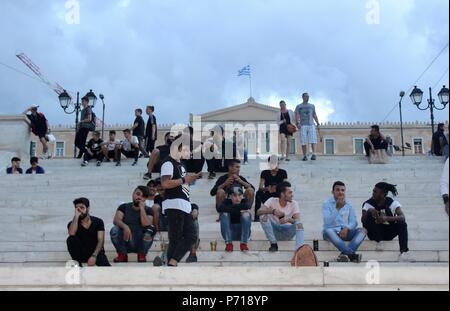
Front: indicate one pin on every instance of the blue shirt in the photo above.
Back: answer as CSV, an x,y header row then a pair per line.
x,y
338,219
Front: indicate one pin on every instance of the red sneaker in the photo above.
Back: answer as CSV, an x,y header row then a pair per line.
x,y
244,247
141,258
229,248
121,257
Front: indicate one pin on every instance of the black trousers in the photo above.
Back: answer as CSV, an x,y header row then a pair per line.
x,y
181,234
381,232
150,145
80,253
383,145
97,155
260,198
133,153
80,139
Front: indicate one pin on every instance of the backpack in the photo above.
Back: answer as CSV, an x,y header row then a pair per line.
x,y
304,257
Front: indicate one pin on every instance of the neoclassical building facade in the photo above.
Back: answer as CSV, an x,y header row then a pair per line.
x,y
258,122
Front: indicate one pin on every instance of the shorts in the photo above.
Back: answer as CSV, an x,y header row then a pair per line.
x,y
308,134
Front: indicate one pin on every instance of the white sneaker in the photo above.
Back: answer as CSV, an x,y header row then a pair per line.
x,y
406,257
85,163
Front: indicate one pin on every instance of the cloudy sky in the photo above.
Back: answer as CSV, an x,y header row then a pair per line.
x,y
183,55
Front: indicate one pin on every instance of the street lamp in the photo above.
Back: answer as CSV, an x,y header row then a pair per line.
x,y
417,96
65,100
102,97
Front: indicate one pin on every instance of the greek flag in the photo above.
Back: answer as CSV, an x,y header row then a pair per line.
x,y
246,71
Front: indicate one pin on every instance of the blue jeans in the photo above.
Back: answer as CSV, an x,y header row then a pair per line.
x,y
286,232
355,237
245,155
236,232
140,242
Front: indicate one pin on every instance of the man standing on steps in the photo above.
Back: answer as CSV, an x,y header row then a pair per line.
x,y
134,229
86,236
151,131
40,128
384,220
340,225
84,127
305,115
139,131
177,205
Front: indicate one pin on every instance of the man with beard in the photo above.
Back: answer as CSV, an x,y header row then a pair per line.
x,y
133,230
86,236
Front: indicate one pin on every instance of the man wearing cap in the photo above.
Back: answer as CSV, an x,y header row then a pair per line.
x,y
39,127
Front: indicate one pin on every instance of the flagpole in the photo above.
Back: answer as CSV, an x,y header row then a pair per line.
x,y
250,79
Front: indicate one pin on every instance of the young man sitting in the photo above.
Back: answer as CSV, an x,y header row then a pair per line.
x,y
86,236
35,168
133,229
224,185
109,147
383,218
15,167
235,220
268,183
158,156
340,225
129,147
280,218
94,150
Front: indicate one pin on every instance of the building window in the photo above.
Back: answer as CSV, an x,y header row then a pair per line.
x,y
418,146
60,146
358,146
32,149
329,146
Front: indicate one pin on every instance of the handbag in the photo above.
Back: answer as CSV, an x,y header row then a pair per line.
x,y
291,128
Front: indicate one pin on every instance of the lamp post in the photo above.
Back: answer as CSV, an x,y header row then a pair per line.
x,y
417,96
402,94
102,97
65,100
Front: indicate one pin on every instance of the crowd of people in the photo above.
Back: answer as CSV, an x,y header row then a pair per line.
x,y
164,204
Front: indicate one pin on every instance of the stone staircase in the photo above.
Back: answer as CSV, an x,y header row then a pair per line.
x,y
36,209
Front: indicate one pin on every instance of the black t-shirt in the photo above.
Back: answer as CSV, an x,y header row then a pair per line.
x,y
89,237
132,217
270,180
139,131
38,123
95,146
223,179
148,130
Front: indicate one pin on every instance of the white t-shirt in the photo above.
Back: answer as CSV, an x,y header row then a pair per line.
x,y
111,145
149,203
289,210
179,204
393,207
126,144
